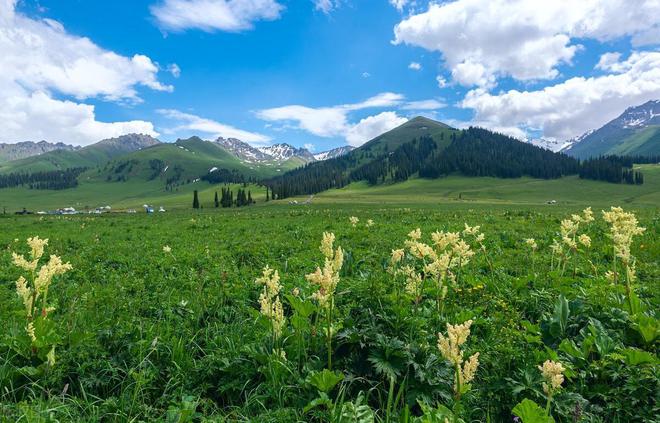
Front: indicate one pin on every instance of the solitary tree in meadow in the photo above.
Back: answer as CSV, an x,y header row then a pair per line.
x,y
195,200
215,201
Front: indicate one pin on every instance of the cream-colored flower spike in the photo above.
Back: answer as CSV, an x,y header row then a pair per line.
x,y
269,300
450,348
553,374
328,277
531,243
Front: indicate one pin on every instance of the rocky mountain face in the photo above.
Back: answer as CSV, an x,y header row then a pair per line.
x,y
22,150
335,152
277,152
243,150
282,152
127,143
635,131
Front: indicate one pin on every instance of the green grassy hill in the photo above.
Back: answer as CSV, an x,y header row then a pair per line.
x,y
413,129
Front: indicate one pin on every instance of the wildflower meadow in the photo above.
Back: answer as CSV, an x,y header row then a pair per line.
x,y
332,314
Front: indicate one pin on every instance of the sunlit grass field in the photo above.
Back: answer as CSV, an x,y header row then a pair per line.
x,y
160,317
570,191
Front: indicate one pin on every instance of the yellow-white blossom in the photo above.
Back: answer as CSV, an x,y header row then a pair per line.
x,y
167,249
531,243
471,230
413,280
585,240
30,331
553,374
269,300
415,234
450,348
328,277
623,227
354,220
442,240
397,256
370,223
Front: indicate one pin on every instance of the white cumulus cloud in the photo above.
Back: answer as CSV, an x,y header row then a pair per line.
x,y
482,40
214,15
333,121
570,108
415,66
372,126
41,62
189,122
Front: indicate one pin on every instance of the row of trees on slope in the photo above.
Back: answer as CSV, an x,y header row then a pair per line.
x,y
472,152
53,179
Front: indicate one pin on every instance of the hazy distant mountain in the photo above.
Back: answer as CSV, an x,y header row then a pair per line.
x,y
89,156
335,152
635,132
22,150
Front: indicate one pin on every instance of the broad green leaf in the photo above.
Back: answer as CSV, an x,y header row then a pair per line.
x,y
647,327
531,412
325,380
634,357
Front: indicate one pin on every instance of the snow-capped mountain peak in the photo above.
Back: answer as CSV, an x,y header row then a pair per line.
x,y
277,152
335,152
243,150
284,151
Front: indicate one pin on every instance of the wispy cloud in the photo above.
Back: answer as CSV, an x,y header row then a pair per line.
x,y
214,15
192,123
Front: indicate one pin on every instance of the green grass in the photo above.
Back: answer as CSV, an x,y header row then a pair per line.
x,y
147,335
459,189
570,191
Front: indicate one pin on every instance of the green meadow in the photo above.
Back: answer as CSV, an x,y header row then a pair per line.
x,y
162,318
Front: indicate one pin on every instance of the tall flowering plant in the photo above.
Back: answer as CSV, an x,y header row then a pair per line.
x,y
326,280
450,348
33,289
623,228
269,301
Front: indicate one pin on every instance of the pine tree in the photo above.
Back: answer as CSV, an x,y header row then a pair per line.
x,y
215,200
267,199
249,199
195,200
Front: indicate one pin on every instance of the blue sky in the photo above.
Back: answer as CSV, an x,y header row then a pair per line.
x,y
321,73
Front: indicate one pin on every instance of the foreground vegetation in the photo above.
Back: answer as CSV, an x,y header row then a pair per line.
x,y
539,313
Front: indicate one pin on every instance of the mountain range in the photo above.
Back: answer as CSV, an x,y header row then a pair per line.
x,y
139,166
22,150
636,132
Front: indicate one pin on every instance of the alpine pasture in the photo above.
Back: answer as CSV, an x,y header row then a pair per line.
x,y
363,312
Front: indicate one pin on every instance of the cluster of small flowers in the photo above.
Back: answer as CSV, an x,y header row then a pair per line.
x,y
448,251
570,227
531,243
269,300
328,277
41,282
553,374
354,221
449,347
623,227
